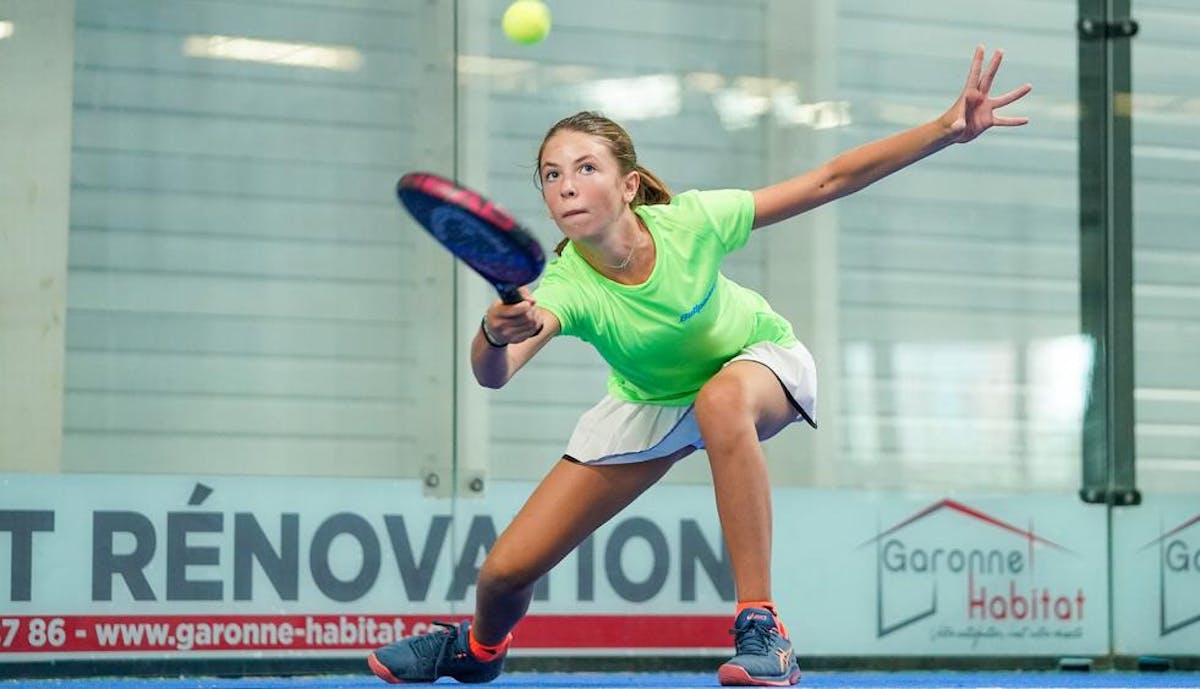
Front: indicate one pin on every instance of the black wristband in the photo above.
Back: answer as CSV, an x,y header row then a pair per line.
x,y
488,336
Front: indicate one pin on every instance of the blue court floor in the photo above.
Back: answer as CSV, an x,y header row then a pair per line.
x,y
813,680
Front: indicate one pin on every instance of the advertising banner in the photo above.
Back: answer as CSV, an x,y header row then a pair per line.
x,y
127,566
1156,577
926,575
124,566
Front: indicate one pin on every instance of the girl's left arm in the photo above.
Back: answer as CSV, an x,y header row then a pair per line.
x,y
971,115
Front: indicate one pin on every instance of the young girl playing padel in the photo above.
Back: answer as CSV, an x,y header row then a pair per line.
x,y
697,361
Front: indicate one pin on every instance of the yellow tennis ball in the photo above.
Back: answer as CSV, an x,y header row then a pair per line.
x,y
526,21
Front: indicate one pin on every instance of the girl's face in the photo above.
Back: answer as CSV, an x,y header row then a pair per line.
x,y
582,184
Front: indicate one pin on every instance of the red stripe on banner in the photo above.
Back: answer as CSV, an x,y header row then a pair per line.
x,y
186,633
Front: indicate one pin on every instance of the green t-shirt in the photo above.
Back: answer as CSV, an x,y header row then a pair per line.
x,y
666,337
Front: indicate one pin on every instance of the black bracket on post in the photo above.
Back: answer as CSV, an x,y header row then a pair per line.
x,y
1116,498
1098,29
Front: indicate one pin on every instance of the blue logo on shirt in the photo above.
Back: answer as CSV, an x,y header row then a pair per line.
x,y
683,317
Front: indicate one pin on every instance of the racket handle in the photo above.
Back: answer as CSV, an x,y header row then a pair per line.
x,y
511,295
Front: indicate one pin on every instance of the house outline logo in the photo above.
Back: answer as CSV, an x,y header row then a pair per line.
x,y
1164,557
1029,536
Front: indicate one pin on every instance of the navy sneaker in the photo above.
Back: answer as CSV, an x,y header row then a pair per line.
x,y
763,655
440,653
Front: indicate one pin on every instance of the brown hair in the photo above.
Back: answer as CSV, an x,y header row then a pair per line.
x,y
651,189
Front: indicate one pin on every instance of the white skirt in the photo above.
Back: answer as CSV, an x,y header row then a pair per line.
x,y
619,432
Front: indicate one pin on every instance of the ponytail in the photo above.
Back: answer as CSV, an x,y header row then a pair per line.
x,y
651,189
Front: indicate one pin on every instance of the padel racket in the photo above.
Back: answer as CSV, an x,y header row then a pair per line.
x,y
478,232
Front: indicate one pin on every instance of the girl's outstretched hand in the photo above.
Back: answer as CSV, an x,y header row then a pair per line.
x,y
974,111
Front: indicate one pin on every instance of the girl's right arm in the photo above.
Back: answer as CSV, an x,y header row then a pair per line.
x,y
524,328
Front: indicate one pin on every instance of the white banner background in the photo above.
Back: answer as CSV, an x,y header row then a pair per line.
x,y
854,573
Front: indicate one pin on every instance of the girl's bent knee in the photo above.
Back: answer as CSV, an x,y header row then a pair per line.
x,y
721,399
500,577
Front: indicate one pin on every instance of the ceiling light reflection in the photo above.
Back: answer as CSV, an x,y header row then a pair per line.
x,y
738,109
498,73
635,98
6,30
311,55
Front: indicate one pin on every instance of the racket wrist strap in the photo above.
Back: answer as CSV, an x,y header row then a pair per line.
x,y
487,334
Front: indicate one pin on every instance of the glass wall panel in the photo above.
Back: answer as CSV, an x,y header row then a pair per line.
x,y
942,304
1166,186
1156,546
241,278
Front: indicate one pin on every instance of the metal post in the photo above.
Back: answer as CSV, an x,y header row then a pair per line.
x,y
1106,248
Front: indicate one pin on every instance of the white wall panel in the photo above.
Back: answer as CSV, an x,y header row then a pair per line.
x,y
35,166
